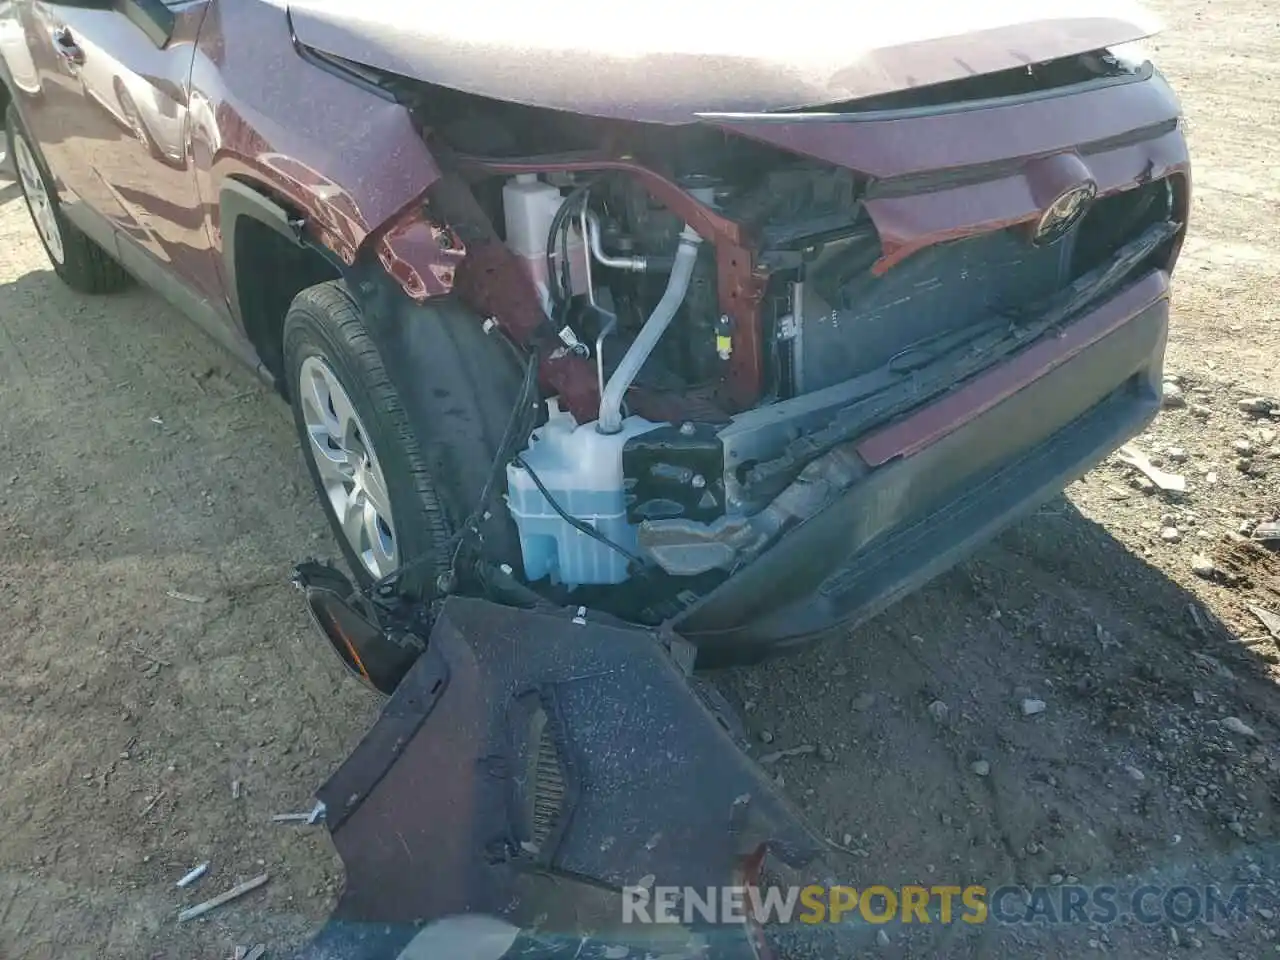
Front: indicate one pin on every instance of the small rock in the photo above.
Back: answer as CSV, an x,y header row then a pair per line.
x,y
1266,913
1176,454
766,736
1134,772
1200,411
1266,436
1195,943
1143,484
1173,936
749,706
1256,405
1244,464
847,839
980,768
1202,566
1173,396
1031,706
1236,725
1198,697
1095,944
882,938
1170,534
1168,519
1217,930
1211,477
1243,447
826,754
939,711
1056,878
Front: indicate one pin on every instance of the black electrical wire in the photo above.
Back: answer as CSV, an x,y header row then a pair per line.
x,y
556,282
514,436
573,521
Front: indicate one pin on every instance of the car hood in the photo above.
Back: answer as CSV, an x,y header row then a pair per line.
x,y
667,61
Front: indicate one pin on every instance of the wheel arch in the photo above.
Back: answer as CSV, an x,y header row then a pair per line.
x,y
267,261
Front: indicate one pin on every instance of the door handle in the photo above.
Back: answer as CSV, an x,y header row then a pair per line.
x,y
65,44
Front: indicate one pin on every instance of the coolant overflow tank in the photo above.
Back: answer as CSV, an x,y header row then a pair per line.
x,y
581,469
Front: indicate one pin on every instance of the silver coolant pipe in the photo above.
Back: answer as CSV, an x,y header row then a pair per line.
x,y
592,231
652,331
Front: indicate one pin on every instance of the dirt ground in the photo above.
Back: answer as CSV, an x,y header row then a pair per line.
x,y
152,502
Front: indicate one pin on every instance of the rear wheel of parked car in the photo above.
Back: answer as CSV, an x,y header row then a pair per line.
x,y
397,468
81,263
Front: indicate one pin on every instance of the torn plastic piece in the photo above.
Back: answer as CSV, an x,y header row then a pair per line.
x,y
555,753
1172,482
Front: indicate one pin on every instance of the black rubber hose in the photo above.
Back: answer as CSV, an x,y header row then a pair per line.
x,y
560,223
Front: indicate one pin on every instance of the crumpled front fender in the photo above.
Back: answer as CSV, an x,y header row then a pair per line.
x,y
531,765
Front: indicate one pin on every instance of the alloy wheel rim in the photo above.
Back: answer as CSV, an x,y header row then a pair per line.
x,y
349,469
38,200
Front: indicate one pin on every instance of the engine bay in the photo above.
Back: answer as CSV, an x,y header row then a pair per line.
x,y
733,321
630,286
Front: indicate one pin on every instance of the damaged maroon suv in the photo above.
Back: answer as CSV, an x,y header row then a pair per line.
x,y
618,339
742,326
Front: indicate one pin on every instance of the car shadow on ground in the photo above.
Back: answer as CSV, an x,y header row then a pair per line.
x,y
9,189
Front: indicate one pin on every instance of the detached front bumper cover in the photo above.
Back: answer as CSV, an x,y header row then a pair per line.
x,y
530,766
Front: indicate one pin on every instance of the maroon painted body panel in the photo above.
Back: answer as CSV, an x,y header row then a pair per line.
x,y
666,62
347,161
986,163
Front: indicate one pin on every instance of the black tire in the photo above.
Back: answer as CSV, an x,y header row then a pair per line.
x,y
435,444
85,266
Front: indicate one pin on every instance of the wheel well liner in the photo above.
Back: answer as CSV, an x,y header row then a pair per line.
x,y
267,262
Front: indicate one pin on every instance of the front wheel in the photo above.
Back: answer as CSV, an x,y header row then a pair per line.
x,y
398,468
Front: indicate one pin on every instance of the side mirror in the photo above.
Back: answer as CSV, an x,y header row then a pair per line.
x,y
152,17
